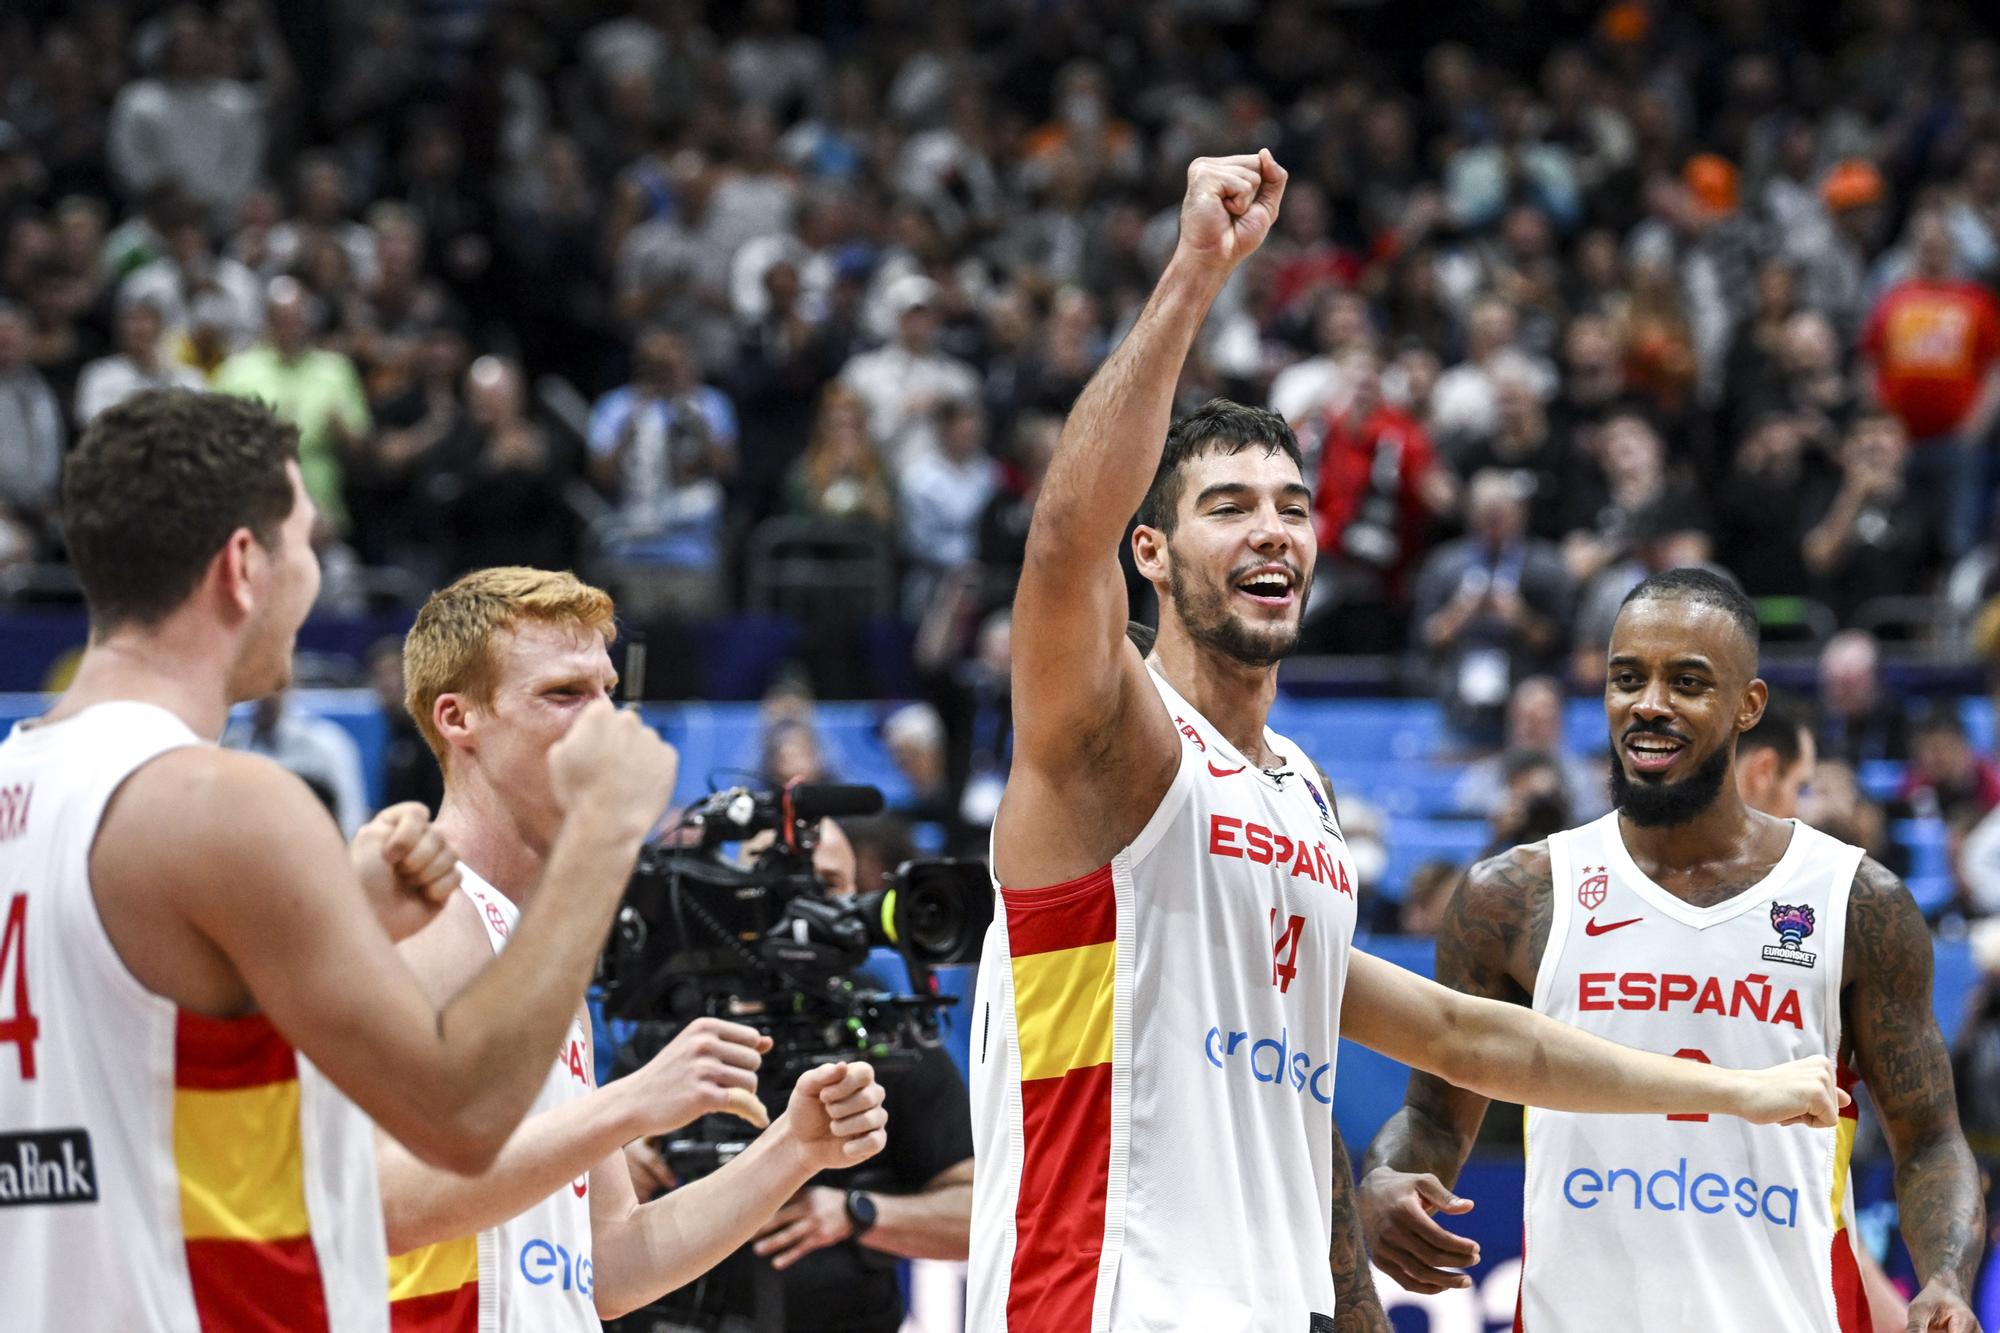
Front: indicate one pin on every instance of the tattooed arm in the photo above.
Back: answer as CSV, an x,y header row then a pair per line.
x,y
1357,1309
1900,1055
1489,944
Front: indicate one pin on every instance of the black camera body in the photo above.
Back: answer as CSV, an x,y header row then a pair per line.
x,y
766,945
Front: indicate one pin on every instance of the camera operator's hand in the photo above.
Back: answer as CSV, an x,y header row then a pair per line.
x,y
710,1068
612,761
836,1115
814,1219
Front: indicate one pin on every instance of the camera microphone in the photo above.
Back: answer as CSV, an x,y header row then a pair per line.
x,y
833,800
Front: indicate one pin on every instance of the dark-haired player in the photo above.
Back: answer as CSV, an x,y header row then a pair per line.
x,y
1687,922
1163,992
195,979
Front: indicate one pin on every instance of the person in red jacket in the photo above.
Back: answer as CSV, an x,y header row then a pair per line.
x,y
1932,343
1380,487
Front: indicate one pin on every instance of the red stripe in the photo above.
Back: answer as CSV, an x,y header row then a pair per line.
x,y
440,1312
249,1286
1850,1298
219,1054
1070,915
1849,1083
1059,1221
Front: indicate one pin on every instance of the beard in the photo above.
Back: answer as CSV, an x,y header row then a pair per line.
x,y
1665,804
1204,610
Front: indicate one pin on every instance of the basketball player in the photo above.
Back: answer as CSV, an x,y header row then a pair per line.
x,y
194,979
1686,922
499,666
1162,994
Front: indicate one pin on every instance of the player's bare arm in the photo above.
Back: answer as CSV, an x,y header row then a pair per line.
x,y
1901,1057
1359,1309
1514,1054
834,1119
1082,706
1494,930
226,888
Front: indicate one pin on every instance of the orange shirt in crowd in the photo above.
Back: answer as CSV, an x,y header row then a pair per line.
x,y
1932,343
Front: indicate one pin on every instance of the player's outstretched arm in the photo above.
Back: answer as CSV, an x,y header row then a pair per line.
x,y
1514,1054
1490,928
1073,670
834,1119
260,880
711,1066
1901,1056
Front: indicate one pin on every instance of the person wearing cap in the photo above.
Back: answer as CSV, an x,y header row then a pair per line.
x,y
905,381
1834,256
1932,347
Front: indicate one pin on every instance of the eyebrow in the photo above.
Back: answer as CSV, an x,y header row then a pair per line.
x,y
1677,664
1290,490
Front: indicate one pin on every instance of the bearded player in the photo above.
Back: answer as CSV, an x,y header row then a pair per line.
x,y
1162,993
1689,923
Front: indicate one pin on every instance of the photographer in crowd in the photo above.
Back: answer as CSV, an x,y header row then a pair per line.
x,y
498,666
835,1245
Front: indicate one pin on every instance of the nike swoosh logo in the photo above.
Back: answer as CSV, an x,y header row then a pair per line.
x,y
1225,772
1591,927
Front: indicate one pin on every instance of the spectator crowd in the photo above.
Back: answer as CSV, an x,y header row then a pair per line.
x,y
716,301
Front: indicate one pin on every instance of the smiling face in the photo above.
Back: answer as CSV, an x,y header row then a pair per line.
x,y
1679,689
1238,562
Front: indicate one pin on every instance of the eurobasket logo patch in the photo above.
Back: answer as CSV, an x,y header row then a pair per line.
x,y
1793,924
1590,890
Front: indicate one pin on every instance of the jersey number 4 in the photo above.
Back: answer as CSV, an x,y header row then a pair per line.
x,y
21,1028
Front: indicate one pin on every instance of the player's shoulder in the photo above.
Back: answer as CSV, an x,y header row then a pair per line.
x,y
233,807
1518,875
1879,905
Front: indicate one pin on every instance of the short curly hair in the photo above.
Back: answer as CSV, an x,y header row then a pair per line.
x,y
156,486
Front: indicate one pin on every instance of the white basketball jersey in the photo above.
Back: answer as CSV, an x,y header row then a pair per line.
x,y
1152,1077
532,1273
1694,1222
159,1169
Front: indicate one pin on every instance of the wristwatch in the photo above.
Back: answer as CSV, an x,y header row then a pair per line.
x,y
861,1212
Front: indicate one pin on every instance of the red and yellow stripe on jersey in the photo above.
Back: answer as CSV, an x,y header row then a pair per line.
x,y
435,1289
237,1152
1850,1299
1063,945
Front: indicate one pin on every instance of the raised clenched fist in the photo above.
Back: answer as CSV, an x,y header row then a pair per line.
x,y
1230,207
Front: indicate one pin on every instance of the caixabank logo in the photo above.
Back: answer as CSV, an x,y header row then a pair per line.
x,y
46,1167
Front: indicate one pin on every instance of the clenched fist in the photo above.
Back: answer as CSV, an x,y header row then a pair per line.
x,y
1230,206
1804,1092
406,868
612,761
710,1067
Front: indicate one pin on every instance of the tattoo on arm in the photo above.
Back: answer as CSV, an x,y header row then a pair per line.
x,y
1901,1056
1489,944
1357,1308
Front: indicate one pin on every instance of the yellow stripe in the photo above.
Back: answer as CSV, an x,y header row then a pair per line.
x,y
1843,1149
242,1174
430,1269
1062,1008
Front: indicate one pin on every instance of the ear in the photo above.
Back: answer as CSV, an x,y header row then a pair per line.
x,y
1751,710
452,716
1149,553
235,568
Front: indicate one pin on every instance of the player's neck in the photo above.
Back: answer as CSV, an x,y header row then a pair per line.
x,y
488,838
1234,697
1724,833
155,668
